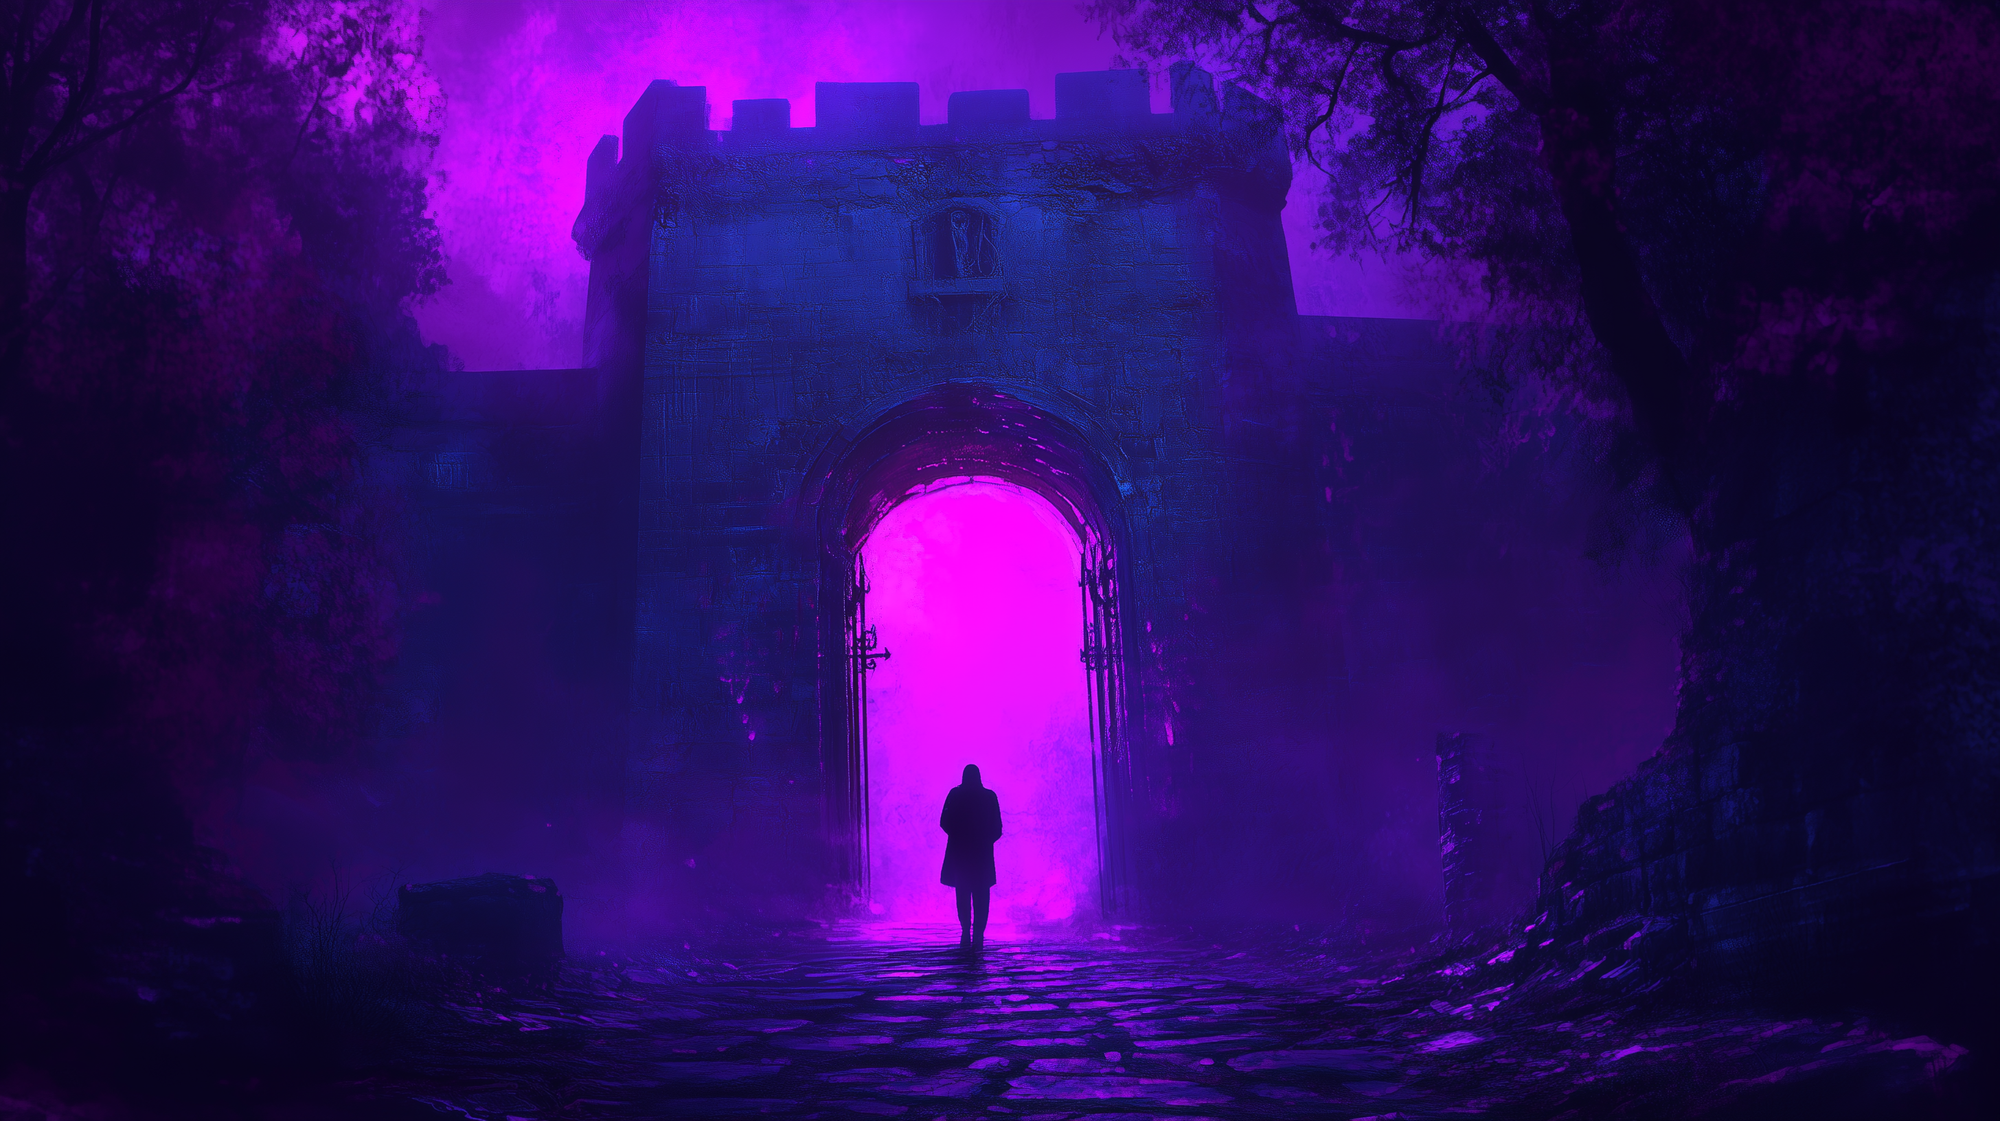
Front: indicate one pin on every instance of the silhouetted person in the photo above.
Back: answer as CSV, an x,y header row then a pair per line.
x,y
971,819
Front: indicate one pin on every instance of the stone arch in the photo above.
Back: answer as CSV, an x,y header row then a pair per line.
x,y
1047,445
1042,442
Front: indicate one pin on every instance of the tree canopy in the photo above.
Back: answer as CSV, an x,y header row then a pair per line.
x,y
1687,196
215,216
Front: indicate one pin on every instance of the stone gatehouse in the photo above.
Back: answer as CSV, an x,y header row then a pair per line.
x,y
823,319
790,329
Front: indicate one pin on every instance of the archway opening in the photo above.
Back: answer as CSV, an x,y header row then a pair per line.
x,y
973,589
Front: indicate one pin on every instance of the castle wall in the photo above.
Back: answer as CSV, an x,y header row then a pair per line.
x,y
1322,564
1333,547
1362,577
1140,276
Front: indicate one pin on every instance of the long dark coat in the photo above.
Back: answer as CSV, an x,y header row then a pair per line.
x,y
972,819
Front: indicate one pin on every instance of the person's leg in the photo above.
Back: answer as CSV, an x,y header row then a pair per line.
x,y
982,903
964,914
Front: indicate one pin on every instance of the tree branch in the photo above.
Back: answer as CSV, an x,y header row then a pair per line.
x,y
78,96
34,71
47,157
305,122
1430,125
1580,153
1314,11
1503,68
17,55
1332,104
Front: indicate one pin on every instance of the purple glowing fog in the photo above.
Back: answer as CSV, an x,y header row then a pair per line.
x,y
975,594
531,85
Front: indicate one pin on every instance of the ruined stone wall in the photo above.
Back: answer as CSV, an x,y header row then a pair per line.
x,y
1823,817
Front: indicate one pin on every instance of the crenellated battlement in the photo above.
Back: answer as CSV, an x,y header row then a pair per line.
x,y
670,123
869,113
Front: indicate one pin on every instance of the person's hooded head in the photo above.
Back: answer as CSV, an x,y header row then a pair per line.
x,y
971,776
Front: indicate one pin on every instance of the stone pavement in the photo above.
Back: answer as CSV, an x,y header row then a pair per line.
x,y
896,1022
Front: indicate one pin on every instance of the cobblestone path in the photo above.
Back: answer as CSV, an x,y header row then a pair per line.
x,y
884,1023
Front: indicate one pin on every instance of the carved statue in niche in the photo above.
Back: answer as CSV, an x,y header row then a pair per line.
x,y
961,245
961,250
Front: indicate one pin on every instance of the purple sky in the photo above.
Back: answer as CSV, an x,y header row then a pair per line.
x,y
532,84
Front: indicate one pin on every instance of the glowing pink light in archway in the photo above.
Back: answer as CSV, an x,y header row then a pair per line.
x,y
975,594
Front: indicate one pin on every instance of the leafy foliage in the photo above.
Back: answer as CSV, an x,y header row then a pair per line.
x,y
224,216
1765,233
1789,183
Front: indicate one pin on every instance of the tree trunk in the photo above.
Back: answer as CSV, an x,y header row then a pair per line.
x,y
1579,149
13,279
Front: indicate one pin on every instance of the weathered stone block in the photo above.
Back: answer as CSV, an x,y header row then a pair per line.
x,y
1732,810
987,107
666,114
1666,787
1658,840
1666,880
865,107
1597,816
764,114
1612,897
